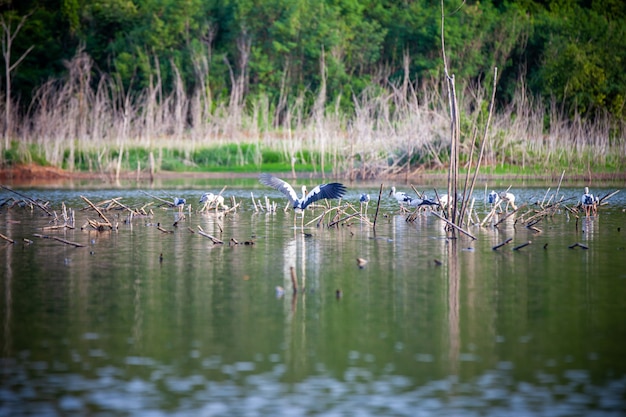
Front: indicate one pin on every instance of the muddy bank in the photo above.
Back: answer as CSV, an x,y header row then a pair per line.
x,y
37,175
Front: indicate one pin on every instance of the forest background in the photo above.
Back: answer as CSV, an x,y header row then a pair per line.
x,y
344,87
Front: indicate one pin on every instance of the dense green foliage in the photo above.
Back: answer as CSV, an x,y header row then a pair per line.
x,y
569,52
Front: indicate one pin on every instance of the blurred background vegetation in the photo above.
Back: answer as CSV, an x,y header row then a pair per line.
x,y
567,56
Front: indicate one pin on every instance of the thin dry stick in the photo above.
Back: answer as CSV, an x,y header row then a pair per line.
x,y
523,245
606,197
124,206
343,219
108,223
509,215
485,136
6,238
163,230
67,242
455,226
256,209
499,245
377,207
169,203
580,245
32,201
294,279
215,240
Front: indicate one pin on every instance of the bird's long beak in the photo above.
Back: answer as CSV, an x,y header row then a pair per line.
x,y
390,192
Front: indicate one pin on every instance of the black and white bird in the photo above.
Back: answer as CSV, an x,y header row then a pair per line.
x,y
589,202
400,196
403,198
422,202
493,198
364,199
208,199
179,203
329,191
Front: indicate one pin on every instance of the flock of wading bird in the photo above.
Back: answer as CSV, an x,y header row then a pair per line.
x,y
344,213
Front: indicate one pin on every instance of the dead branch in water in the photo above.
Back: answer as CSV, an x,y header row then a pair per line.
x,y
6,238
28,199
67,242
215,240
499,245
579,245
380,192
523,245
455,226
106,221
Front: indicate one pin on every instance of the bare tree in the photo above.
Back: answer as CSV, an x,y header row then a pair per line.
x,y
8,35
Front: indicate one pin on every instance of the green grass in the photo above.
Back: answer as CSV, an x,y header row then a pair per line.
x,y
251,158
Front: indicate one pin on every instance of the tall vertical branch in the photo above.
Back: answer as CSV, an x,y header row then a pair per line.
x,y
453,171
8,36
482,145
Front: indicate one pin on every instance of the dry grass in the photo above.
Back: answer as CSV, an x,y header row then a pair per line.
x,y
394,129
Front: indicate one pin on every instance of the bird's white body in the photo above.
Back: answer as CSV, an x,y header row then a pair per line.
x,y
400,196
208,199
509,198
493,197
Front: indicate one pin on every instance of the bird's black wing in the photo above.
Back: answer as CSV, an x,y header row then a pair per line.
x,y
280,185
332,190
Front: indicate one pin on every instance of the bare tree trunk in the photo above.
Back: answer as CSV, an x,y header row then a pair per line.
x,y
8,36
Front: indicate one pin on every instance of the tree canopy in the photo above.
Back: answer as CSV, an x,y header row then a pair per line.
x,y
571,52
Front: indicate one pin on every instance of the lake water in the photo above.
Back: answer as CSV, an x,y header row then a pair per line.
x,y
142,322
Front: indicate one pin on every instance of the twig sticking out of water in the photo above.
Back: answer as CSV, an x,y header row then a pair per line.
x,y
580,245
28,199
169,203
333,223
523,245
377,207
6,238
215,240
455,226
294,279
499,245
106,221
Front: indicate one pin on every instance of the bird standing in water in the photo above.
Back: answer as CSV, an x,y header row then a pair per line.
x,y
364,199
589,203
328,191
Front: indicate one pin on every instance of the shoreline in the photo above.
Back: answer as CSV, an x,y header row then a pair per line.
x,y
33,175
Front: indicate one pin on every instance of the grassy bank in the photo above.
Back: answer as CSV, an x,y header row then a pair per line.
x,y
392,130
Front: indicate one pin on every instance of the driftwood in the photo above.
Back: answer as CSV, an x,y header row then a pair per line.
x,y
499,245
106,221
580,245
213,238
455,226
331,224
509,215
6,238
294,279
28,199
67,242
523,245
